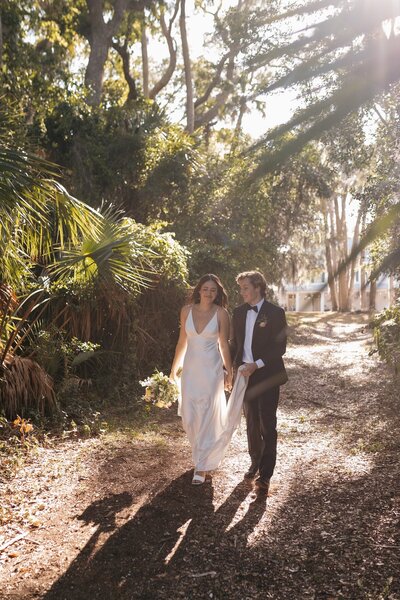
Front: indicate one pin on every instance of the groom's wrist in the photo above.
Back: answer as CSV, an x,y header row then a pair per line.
x,y
260,363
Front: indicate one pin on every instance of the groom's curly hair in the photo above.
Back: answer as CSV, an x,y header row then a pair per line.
x,y
256,278
222,297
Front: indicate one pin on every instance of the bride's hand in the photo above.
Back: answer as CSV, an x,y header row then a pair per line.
x,y
228,380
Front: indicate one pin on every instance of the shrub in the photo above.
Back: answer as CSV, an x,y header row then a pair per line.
x,y
386,327
25,386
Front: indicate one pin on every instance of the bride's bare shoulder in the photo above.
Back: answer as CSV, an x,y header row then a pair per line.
x,y
185,310
222,312
184,315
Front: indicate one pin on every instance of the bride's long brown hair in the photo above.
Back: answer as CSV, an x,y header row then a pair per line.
x,y
222,297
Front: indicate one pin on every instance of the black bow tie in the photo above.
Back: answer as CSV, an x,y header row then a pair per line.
x,y
255,308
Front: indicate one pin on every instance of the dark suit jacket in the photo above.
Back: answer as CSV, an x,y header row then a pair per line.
x,y
268,343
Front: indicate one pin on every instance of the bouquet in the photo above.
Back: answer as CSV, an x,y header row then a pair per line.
x,y
160,390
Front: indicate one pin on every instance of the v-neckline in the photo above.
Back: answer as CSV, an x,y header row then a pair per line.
x,y
207,324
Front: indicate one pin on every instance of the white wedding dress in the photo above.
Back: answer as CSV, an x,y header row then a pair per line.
x,y
208,420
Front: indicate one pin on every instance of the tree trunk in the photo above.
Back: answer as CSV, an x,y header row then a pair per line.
x,y
95,70
328,257
1,42
391,291
372,295
363,273
344,305
188,70
356,238
100,39
342,251
238,125
124,54
333,237
145,60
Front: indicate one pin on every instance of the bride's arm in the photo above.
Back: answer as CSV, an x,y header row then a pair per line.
x,y
181,345
224,327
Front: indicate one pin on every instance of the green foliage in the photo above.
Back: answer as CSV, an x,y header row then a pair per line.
x,y
155,313
62,358
80,417
342,51
379,195
166,256
386,327
37,215
37,53
231,227
127,156
345,145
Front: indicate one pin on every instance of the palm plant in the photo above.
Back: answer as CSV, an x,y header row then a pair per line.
x,y
24,384
42,225
344,58
36,213
345,47
97,281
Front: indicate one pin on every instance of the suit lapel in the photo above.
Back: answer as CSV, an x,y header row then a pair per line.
x,y
262,312
258,325
241,328
242,322
241,332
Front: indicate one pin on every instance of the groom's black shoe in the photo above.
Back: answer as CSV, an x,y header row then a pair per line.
x,y
252,472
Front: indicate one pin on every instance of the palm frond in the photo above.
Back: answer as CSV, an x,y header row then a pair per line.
x,y
36,213
111,254
20,173
16,324
356,18
389,263
361,87
349,42
25,387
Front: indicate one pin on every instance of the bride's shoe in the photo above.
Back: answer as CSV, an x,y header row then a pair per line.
x,y
198,479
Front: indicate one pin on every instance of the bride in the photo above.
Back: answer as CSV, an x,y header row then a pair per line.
x,y
203,346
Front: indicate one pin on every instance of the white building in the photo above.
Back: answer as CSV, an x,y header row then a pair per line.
x,y
314,295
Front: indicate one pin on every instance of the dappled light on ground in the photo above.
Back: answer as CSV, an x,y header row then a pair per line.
x,y
128,524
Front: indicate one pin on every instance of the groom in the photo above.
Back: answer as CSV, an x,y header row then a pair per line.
x,y
259,342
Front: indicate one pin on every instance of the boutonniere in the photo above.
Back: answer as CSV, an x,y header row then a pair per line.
x,y
263,321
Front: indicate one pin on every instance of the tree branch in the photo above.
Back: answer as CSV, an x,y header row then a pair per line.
x,y
172,49
221,98
124,54
188,69
215,80
120,7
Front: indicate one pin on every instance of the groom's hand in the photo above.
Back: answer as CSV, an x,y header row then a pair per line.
x,y
248,369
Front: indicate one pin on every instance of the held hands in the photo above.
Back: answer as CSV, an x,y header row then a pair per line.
x,y
228,380
247,369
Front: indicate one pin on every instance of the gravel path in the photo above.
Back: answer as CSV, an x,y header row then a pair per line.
x,y
117,518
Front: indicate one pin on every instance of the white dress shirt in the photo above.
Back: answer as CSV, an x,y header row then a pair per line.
x,y
250,322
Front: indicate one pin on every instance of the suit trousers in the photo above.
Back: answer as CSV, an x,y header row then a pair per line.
x,y
260,412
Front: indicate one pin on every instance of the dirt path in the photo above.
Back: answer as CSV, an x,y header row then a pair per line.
x,y
117,518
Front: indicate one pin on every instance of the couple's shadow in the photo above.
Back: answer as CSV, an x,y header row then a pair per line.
x,y
177,534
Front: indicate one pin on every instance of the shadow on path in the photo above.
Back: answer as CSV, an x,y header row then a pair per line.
x,y
332,532
176,535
